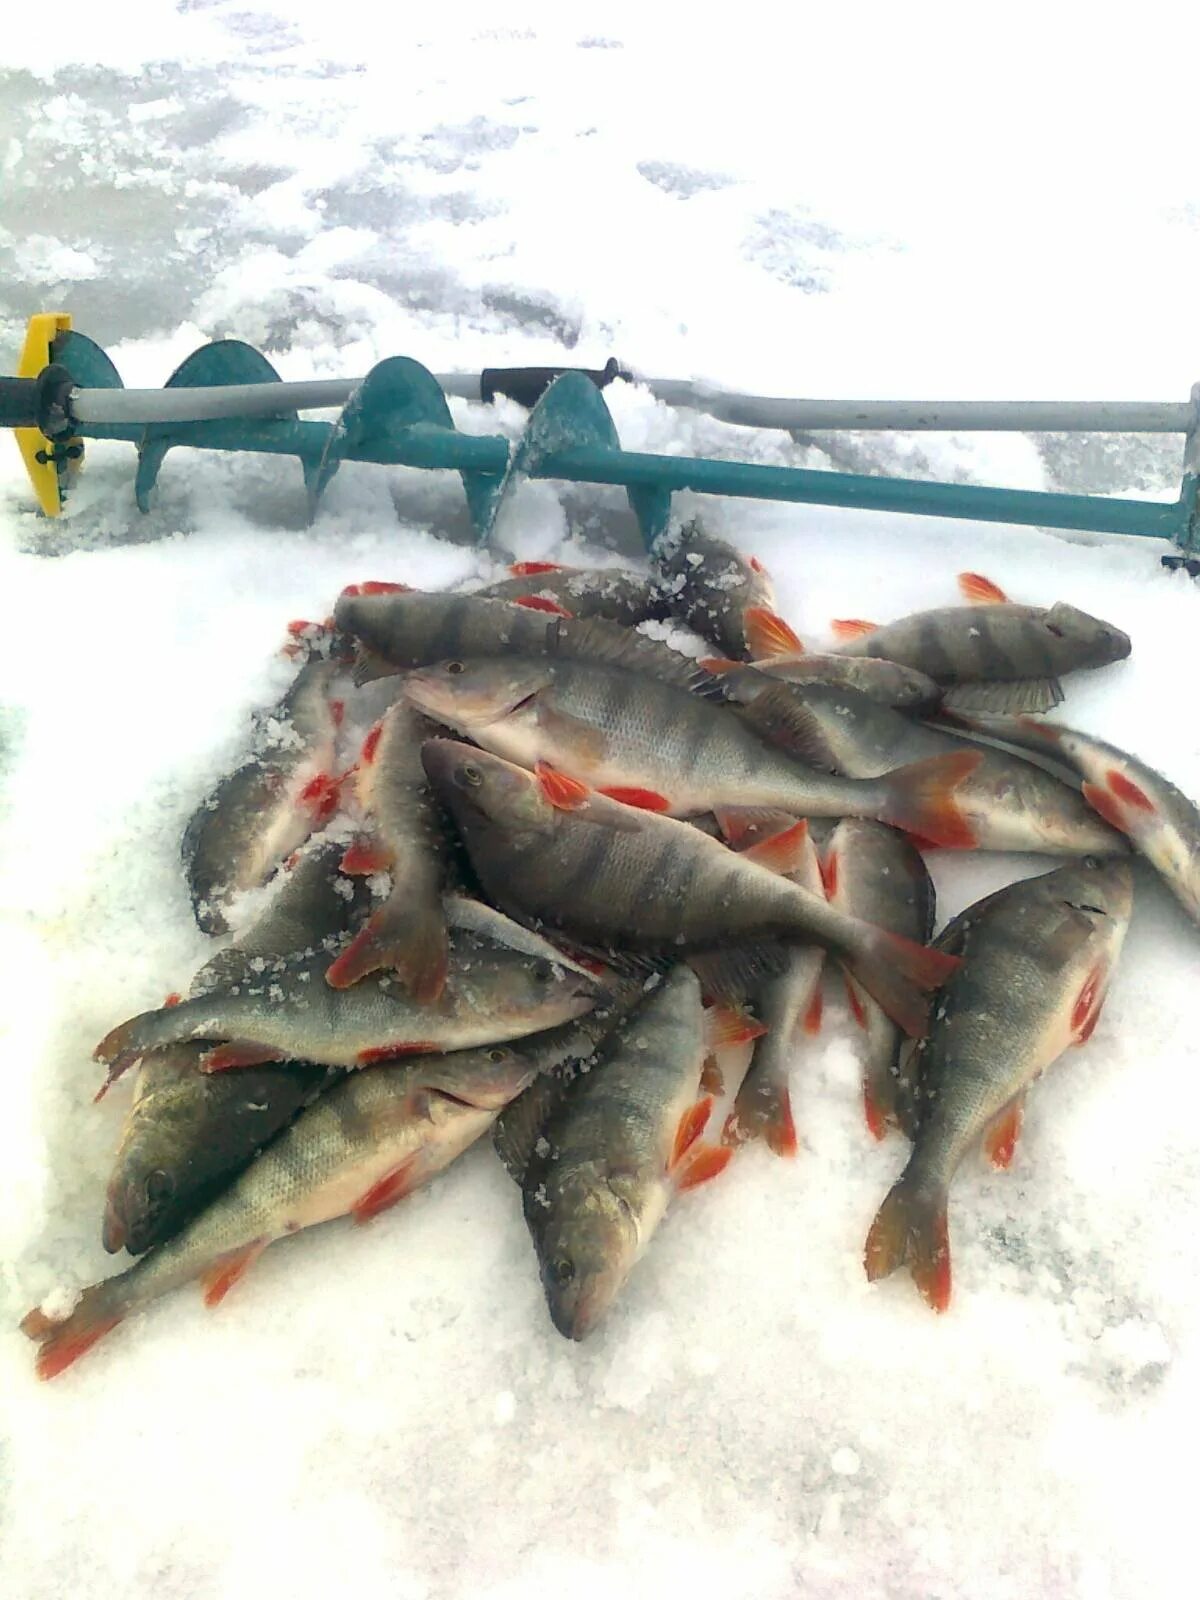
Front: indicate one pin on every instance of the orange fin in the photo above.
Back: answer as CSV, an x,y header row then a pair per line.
x,y
757,566
725,1025
1000,1139
893,970
371,744
402,1047
1128,792
643,799
719,664
829,874
564,793
743,825
542,602
811,1022
702,1163
528,569
1109,808
873,1111
857,1009
1089,1004
411,942
375,586
981,591
239,1053
321,796
691,1125
851,627
220,1277
784,852
911,1226
767,634
65,1340
763,1110
389,1191
365,856
920,799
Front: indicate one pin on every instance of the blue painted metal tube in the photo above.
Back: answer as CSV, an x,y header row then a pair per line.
x,y
445,449
1152,519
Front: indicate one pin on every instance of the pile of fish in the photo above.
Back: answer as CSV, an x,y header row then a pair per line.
x,y
503,861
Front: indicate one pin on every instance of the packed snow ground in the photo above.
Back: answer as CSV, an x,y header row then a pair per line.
x,y
839,206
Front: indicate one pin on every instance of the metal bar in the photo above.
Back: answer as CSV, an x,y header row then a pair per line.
x,y
1148,518
206,404
957,416
1031,416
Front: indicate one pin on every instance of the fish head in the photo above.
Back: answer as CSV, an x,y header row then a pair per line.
x,y
586,1237
143,1193
485,793
396,624
1101,890
1088,640
473,693
522,992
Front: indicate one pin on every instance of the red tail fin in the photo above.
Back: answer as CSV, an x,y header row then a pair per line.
x,y
528,569
920,799
763,1110
412,941
63,1342
911,1227
893,970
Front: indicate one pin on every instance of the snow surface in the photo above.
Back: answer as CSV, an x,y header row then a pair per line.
x,y
855,201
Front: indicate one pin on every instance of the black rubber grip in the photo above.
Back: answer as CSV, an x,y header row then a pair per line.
x,y
18,402
43,402
527,385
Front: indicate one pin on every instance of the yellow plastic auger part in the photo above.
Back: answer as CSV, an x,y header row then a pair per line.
x,y
43,329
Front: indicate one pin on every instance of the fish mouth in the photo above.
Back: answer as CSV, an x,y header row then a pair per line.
x,y
114,1232
577,1319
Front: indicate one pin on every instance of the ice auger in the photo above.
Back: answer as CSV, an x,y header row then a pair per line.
x,y
228,396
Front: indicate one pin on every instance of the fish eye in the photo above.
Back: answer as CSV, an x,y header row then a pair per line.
x,y
469,777
158,1187
455,667
562,1271
543,971
499,1055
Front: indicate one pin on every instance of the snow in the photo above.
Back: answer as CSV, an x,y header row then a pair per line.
x,y
864,202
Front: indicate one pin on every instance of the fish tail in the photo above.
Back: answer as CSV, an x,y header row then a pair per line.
x,y
911,1227
895,971
64,1340
410,940
763,1110
920,799
129,1041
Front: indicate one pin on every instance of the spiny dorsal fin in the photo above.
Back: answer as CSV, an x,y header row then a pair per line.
x,y
981,591
609,644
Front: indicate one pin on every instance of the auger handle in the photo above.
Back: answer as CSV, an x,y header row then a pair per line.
x,y
527,385
40,402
